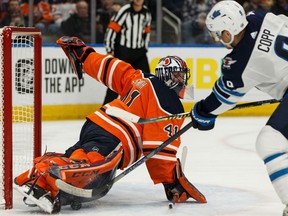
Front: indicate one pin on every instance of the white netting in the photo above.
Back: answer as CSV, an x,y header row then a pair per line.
x,y
23,102
23,78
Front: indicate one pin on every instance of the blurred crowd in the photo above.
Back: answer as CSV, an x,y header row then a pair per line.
x,y
60,17
72,17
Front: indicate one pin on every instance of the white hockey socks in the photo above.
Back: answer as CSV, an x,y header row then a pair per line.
x,y
272,147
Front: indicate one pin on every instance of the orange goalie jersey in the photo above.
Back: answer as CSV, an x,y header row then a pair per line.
x,y
146,96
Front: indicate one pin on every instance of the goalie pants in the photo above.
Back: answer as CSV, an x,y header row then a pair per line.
x,y
94,138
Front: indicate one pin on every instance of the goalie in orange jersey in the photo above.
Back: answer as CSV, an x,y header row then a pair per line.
x,y
108,143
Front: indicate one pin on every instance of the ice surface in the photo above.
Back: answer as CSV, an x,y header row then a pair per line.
x,y
221,163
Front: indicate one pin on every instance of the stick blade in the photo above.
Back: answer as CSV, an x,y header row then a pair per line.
x,y
70,189
123,114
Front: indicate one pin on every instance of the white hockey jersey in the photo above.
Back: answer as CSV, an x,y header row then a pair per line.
x,y
259,60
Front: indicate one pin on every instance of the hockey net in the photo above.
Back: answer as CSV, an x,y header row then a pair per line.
x,y
20,105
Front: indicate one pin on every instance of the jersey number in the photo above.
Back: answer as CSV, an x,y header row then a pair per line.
x,y
130,97
171,130
281,48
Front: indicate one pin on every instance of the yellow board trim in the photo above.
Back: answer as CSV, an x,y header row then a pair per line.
x,y
68,112
80,111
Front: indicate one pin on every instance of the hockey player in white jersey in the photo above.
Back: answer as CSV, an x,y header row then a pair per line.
x,y
259,59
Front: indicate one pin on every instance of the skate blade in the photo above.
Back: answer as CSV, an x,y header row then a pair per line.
x,y
42,202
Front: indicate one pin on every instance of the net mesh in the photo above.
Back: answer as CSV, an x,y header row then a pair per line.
x,y
22,102
22,63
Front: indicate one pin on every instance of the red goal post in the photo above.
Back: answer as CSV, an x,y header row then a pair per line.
x,y
20,105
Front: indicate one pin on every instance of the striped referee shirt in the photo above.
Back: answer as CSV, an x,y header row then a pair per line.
x,y
129,28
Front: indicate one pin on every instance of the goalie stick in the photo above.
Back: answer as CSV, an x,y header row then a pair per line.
x,y
184,156
120,113
88,193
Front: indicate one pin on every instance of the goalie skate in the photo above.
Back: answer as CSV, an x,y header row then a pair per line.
x,y
38,197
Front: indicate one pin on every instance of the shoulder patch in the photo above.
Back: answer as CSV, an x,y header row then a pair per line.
x,y
227,62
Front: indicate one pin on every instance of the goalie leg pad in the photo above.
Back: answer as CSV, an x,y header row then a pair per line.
x,y
91,157
40,167
39,174
84,175
181,190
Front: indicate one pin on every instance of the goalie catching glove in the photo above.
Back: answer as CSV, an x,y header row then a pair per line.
x,y
76,50
181,189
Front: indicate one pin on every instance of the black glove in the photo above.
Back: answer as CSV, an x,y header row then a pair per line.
x,y
202,120
76,50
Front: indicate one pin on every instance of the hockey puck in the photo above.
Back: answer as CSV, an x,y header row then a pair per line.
x,y
170,205
75,205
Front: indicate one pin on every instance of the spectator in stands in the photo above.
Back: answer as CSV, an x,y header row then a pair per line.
x,y
194,13
3,8
267,4
280,7
103,16
42,16
253,5
116,6
127,38
78,24
175,6
60,12
62,1
13,16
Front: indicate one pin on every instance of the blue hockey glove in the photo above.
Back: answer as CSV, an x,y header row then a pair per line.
x,y
202,120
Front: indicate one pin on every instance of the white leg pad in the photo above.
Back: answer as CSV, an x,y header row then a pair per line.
x,y
272,147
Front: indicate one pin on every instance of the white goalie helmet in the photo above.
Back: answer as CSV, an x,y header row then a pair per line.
x,y
173,71
226,15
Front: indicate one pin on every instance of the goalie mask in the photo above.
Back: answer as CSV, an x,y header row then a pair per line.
x,y
173,71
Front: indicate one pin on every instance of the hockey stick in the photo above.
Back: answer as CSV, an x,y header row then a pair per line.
x,y
184,156
88,193
120,113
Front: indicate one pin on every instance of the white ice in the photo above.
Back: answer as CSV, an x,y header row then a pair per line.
x,y
221,163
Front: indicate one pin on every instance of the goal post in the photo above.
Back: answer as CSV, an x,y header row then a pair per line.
x,y
20,105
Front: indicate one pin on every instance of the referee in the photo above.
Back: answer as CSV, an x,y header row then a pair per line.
x,y
127,38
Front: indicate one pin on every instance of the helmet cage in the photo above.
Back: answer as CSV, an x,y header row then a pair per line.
x,y
173,71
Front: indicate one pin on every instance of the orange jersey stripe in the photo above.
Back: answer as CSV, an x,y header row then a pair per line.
x,y
128,135
140,96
